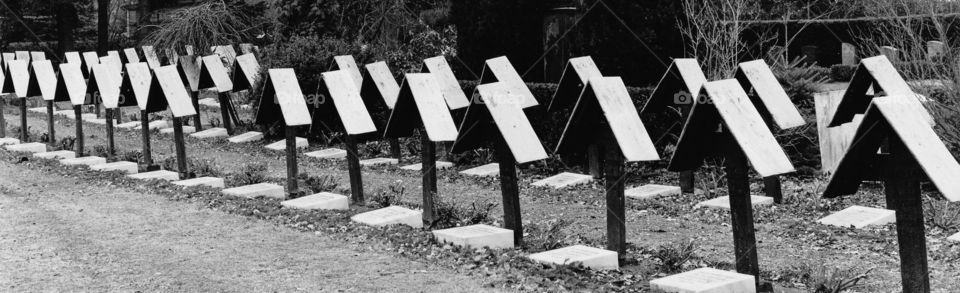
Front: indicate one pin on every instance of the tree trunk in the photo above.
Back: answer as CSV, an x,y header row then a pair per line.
x,y
67,20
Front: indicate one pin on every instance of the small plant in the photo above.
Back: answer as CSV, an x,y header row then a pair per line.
x,y
942,214
386,198
66,143
203,168
213,122
674,256
251,174
315,184
131,156
819,277
547,236
100,151
448,214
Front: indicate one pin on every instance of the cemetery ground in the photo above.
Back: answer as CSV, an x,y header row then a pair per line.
x,y
667,235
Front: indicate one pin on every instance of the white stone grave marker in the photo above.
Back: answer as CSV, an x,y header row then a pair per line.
x,y
859,217
282,145
591,257
378,161
564,180
247,137
416,167
56,155
723,202
651,191
87,161
488,170
8,140
389,216
186,130
319,201
476,236
211,133
32,147
257,190
954,238
206,181
123,166
331,153
705,280
160,175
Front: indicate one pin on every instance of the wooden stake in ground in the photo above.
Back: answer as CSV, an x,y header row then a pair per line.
x,y
774,106
167,84
189,69
604,115
43,82
354,121
214,75
71,86
744,137
283,100
136,85
16,80
914,151
379,92
420,106
105,83
679,87
497,117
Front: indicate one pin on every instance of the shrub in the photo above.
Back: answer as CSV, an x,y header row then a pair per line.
x,y
316,184
449,214
250,174
386,198
546,236
842,73
674,256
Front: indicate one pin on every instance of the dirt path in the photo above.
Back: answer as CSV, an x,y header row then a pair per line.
x,y
58,234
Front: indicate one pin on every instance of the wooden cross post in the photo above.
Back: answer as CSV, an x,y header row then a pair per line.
x,y
180,148
420,106
225,111
901,181
354,168
197,123
291,150
50,129
510,190
614,185
110,141
743,136
3,120
145,134
78,114
24,132
428,170
741,209
379,90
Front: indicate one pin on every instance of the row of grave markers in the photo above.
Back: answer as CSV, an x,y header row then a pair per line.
x,y
428,103
935,50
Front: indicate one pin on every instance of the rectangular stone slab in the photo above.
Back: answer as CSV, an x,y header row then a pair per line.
x,y
56,155
87,161
488,170
954,238
159,175
247,137
9,140
209,102
256,190
390,216
98,121
282,145
331,153
859,217
211,133
705,280
723,202
417,167
476,236
378,161
186,130
38,110
31,147
129,125
651,191
564,180
319,201
157,124
123,166
205,181
591,257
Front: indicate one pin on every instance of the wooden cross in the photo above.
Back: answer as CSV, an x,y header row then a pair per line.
x,y
914,151
349,65
214,75
605,113
678,87
774,105
89,59
246,72
166,83
420,105
879,73
104,84
355,121
282,94
743,136
43,82
576,74
379,92
452,92
71,86
226,52
16,79
136,83
189,69
499,119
